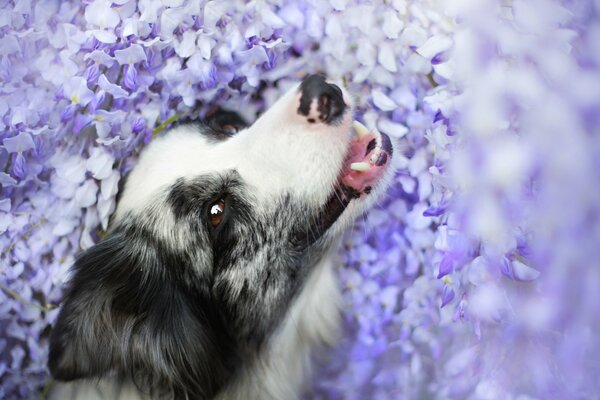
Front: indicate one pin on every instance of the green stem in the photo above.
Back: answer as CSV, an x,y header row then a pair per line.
x,y
24,236
7,289
432,81
164,124
21,299
46,390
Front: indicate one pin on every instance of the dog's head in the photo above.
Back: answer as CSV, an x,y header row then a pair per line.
x,y
214,235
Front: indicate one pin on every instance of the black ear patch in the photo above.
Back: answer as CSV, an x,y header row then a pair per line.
x,y
330,101
227,122
128,310
218,124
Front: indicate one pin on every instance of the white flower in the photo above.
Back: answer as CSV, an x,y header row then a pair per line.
x,y
169,20
394,129
383,102
85,195
77,91
130,55
101,15
100,163
187,45
434,46
392,25
387,56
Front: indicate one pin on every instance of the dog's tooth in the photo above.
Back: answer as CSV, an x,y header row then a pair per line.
x,y
378,137
360,166
360,129
375,155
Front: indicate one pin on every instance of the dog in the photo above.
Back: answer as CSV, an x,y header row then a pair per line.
x,y
216,277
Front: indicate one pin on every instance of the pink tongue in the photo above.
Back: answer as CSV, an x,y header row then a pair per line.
x,y
359,180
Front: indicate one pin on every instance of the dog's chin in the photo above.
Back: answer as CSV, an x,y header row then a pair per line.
x,y
364,175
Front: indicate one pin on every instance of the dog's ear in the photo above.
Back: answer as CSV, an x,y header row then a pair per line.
x,y
128,310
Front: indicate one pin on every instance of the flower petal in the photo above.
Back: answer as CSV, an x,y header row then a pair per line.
x,y
21,142
130,55
116,91
107,37
387,57
524,272
383,102
100,163
434,46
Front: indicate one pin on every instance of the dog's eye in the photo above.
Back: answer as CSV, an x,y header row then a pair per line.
x,y
230,129
216,212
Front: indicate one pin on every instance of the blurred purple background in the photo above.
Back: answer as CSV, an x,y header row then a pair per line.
x,y
477,277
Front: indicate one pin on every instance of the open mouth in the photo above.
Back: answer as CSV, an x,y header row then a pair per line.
x,y
368,156
366,161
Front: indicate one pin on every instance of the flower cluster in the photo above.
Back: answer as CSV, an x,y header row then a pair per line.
x,y
84,87
497,259
474,278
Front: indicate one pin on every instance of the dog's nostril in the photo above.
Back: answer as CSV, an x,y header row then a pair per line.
x,y
320,100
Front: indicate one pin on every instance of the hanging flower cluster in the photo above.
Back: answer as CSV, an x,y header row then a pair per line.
x,y
493,222
474,278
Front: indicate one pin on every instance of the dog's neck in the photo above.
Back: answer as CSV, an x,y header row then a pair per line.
x,y
312,320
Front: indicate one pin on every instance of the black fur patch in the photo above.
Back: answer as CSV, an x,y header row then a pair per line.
x,y
386,144
226,121
330,101
219,125
370,146
130,308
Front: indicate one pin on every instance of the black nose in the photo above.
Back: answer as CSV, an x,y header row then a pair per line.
x,y
321,101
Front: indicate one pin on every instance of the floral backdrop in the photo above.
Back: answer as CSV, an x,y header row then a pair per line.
x,y
477,277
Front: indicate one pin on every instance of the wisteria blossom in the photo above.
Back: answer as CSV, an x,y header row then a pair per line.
x,y
475,278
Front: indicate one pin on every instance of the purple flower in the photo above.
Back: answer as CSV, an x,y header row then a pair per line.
x,y
492,213
91,74
446,266
130,77
447,295
138,125
19,166
81,121
68,113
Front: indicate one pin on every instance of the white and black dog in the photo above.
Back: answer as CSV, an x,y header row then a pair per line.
x,y
216,278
